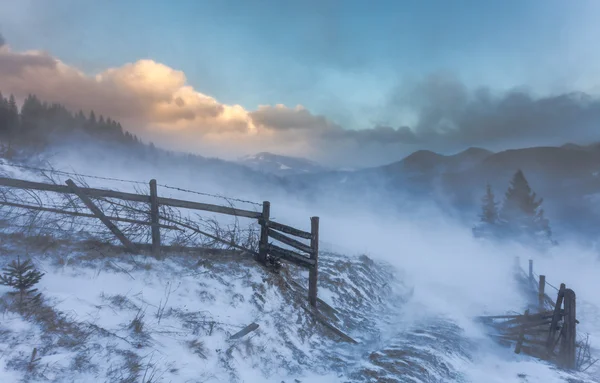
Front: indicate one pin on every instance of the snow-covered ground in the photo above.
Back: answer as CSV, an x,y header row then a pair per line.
x,y
112,317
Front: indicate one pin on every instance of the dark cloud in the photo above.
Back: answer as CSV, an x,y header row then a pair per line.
x,y
383,135
449,116
2,41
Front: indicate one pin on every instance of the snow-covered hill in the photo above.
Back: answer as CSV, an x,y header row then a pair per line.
x,y
114,317
111,317
280,165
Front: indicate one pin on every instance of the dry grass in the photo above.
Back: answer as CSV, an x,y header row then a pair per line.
x,y
198,347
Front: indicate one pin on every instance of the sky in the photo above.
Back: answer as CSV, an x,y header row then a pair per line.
x,y
345,83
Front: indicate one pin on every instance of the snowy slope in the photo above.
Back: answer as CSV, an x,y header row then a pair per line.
x,y
411,317
93,295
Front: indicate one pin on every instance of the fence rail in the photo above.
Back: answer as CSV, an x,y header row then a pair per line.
x,y
306,255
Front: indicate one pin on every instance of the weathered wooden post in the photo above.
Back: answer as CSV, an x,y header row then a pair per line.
x,y
555,319
313,272
154,218
568,341
263,245
541,292
531,269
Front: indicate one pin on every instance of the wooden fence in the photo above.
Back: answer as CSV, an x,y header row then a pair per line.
x,y
548,328
562,309
306,256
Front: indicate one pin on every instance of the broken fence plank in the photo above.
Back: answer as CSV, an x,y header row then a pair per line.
x,y
245,331
96,210
557,314
321,319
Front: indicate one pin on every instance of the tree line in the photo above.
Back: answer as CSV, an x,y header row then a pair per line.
x,y
519,217
38,124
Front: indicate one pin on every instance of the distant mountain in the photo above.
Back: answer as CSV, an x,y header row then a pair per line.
x,y
281,165
566,177
425,161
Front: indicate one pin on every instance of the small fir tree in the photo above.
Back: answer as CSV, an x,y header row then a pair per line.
x,y
489,207
22,276
488,219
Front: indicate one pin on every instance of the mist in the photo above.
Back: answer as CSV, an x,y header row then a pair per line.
x,y
453,276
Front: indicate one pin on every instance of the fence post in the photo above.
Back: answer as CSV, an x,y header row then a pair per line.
x,y
313,272
154,218
568,346
541,292
531,269
263,245
550,344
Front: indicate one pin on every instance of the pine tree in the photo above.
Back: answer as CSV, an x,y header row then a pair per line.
x,y
13,116
522,211
488,219
489,208
22,276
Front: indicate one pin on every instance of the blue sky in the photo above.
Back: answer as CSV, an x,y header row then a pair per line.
x,y
354,62
339,58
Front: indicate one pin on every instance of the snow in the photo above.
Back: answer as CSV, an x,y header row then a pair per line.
x,y
418,291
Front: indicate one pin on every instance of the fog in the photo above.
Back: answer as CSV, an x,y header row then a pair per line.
x,y
454,276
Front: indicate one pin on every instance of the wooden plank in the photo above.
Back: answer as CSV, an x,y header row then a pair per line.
x,y
263,245
546,315
288,230
154,218
208,207
92,192
313,272
111,226
84,215
319,300
289,241
290,256
555,318
321,319
491,317
245,331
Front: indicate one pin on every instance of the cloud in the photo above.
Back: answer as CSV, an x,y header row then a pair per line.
x,y
2,41
156,102
450,116
280,117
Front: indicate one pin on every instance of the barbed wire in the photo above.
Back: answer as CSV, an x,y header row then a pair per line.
x,y
74,174
129,181
210,195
